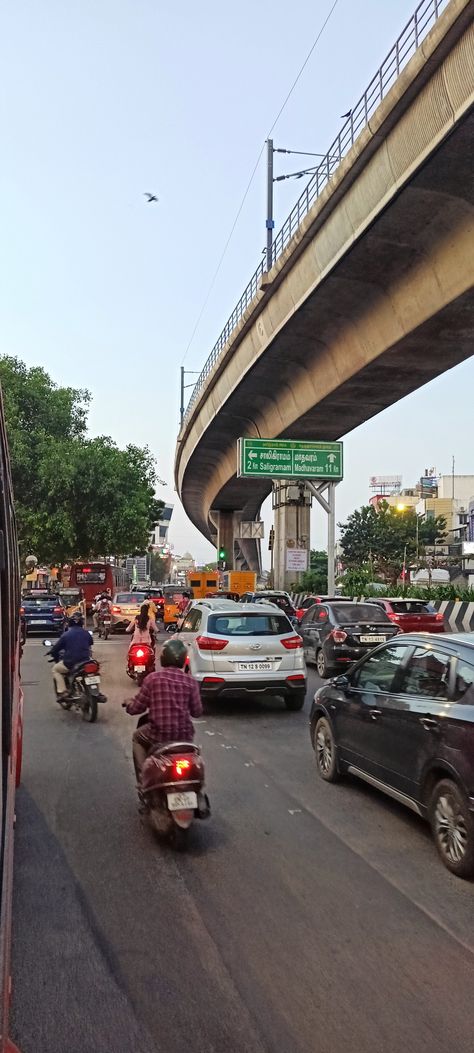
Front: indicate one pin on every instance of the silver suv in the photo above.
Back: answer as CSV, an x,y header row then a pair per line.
x,y
250,648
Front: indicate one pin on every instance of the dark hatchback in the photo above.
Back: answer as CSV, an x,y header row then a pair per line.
x,y
339,633
43,611
403,720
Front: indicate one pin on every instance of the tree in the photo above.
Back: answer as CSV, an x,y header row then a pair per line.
x,y
316,578
385,538
73,496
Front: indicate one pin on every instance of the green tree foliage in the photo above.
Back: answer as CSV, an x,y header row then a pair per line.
x,y
74,496
316,578
384,536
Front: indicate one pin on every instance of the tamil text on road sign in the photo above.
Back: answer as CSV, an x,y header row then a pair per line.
x,y
289,459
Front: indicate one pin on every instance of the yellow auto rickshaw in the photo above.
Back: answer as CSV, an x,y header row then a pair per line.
x,y
73,600
175,599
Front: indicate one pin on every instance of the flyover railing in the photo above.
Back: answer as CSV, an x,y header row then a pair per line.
x,y
423,19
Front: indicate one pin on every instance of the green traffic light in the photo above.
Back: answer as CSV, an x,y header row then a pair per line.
x,y
222,553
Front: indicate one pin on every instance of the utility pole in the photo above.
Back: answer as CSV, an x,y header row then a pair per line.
x,y
270,223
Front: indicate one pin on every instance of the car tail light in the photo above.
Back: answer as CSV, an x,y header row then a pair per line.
x,y
296,676
22,610
116,610
338,635
439,617
211,643
394,617
182,765
291,643
57,610
91,667
213,680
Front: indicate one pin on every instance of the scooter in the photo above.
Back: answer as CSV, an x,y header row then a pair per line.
x,y
140,662
83,686
172,781
104,625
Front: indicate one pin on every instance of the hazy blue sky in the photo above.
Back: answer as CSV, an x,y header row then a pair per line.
x,y
105,100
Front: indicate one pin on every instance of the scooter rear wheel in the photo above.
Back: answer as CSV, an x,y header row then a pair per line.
x,y
180,837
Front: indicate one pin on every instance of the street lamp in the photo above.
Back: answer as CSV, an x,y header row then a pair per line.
x,y
402,508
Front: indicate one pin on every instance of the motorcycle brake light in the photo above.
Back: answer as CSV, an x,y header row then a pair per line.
x,y
211,643
292,642
139,653
182,765
116,610
91,667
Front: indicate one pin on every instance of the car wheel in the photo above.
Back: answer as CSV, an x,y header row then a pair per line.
x,y
295,701
452,825
325,751
324,670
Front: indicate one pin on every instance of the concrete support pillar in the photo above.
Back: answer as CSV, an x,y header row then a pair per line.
x,y
292,511
227,524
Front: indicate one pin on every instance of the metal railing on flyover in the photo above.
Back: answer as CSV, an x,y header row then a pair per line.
x,y
423,19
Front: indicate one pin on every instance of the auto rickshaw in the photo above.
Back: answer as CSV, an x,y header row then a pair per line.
x,y
74,601
175,600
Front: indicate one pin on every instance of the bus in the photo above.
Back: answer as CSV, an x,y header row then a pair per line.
x,y
93,576
12,717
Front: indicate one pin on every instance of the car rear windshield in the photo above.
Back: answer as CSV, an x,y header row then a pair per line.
x,y
130,597
347,613
411,607
249,624
43,601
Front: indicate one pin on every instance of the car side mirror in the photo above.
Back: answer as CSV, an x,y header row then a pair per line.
x,y
47,643
342,681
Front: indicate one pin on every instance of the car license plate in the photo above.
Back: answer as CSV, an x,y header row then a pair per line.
x,y
92,679
40,621
140,668
176,801
254,667
373,639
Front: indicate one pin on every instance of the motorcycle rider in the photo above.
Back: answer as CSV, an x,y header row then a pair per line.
x,y
103,605
171,697
142,627
73,647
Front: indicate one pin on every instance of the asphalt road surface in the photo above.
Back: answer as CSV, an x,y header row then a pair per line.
x,y
305,918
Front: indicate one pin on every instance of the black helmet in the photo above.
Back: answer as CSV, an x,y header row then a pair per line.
x,y
76,618
174,653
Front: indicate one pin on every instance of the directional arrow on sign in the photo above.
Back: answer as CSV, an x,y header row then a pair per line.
x,y
252,455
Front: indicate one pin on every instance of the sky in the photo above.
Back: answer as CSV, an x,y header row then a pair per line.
x,y
104,100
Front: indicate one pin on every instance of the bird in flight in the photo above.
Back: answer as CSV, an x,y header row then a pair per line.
x,y
151,197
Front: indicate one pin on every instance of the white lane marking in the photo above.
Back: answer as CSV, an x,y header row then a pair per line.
x,y
224,747
249,764
294,811
209,732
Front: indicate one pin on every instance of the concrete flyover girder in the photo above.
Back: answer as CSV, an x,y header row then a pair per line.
x,y
372,298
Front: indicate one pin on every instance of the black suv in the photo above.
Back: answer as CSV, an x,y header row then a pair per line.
x,y
403,720
338,633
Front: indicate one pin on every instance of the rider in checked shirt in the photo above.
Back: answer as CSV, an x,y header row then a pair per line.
x,y
171,698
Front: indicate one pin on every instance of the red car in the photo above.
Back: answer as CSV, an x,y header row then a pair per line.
x,y
301,608
412,616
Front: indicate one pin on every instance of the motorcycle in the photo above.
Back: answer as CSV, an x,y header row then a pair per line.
x,y
140,662
171,790
104,625
83,685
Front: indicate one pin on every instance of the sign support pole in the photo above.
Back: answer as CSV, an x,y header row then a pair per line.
x,y
329,507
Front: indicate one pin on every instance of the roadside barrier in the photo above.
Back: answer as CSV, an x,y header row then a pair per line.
x,y
458,614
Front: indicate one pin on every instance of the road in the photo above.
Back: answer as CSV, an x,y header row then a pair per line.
x,y
305,917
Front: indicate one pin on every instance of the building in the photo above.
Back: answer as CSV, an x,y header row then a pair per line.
x,y
159,538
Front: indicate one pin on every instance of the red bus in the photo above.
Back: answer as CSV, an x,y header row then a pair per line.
x,y
97,576
11,726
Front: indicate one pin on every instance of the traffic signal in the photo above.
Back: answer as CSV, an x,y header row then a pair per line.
x,y
222,553
221,559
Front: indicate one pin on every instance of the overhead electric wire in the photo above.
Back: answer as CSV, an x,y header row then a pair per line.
x,y
252,175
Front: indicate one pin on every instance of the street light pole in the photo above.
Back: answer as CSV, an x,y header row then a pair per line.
x,y
270,223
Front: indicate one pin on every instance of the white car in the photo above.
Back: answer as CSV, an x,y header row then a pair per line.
x,y
248,648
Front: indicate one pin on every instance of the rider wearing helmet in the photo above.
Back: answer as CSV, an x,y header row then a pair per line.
x,y
73,647
171,697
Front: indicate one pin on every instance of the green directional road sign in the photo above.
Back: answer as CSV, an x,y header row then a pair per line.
x,y
289,459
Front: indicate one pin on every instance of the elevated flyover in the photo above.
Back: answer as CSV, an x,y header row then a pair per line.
x,y
370,292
